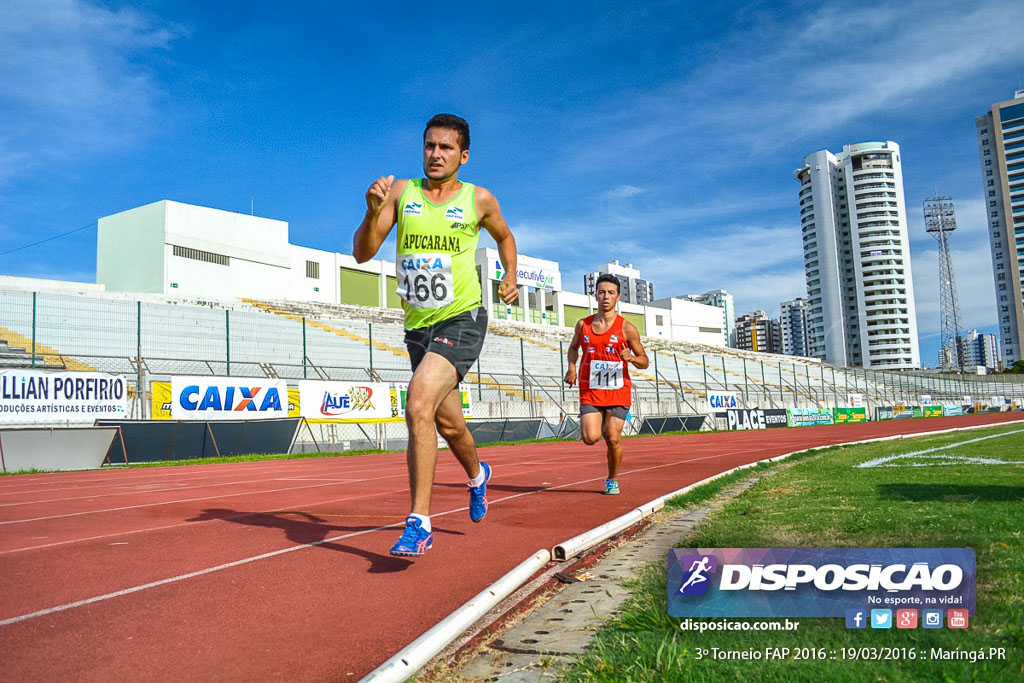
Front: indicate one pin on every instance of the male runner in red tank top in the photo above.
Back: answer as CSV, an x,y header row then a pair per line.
x,y
610,343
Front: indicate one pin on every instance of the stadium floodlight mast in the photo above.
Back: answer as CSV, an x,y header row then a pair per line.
x,y
940,221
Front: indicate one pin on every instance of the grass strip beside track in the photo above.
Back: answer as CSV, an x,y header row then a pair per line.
x,y
827,502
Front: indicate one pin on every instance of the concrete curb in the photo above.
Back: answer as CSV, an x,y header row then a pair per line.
x,y
414,656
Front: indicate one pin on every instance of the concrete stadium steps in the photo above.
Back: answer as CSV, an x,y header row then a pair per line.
x,y
103,330
340,328
51,357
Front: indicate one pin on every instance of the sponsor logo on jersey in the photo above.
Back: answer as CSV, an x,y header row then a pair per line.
x,y
412,209
454,213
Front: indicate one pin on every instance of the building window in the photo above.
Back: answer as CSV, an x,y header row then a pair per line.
x,y
313,270
658,320
988,172
984,142
991,193
986,152
200,255
988,162
990,184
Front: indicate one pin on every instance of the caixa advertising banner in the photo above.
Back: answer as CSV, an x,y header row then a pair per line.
x,y
227,398
756,418
816,582
34,397
345,401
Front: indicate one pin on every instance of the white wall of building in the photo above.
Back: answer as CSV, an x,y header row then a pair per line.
x,y
227,255
688,321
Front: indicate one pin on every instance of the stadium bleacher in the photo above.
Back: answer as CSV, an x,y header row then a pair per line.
x,y
518,374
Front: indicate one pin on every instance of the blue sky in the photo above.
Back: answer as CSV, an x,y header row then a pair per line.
x,y
664,134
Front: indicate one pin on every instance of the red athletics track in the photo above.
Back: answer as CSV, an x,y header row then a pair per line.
x,y
280,570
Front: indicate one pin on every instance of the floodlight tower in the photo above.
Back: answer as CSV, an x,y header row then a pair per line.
x,y
940,221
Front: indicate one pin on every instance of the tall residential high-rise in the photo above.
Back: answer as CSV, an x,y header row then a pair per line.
x,y
757,332
724,300
1001,141
796,339
860,291
979,350
632,288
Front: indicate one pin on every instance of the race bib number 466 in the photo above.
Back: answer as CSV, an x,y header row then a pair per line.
x,y
425,280
605,375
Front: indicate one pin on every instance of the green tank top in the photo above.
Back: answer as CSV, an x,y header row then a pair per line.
x,y
436,256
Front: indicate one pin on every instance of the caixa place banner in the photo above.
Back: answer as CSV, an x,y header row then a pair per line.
x,y
816,582
226,398
345,401
756,418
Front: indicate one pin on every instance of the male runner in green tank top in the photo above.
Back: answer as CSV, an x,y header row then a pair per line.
x,y
438,218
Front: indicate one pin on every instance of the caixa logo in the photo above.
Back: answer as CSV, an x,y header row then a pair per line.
x,y
229,398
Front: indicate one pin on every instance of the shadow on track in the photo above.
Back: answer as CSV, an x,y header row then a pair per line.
x,y
303,528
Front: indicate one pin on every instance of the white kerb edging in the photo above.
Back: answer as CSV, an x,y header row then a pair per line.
x,y
589,539
411,659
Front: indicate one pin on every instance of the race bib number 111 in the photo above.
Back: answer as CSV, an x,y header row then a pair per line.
x,y
605,375
425,280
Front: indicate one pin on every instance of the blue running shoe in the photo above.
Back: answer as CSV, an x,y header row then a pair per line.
x,y
478,496
611,487
414,541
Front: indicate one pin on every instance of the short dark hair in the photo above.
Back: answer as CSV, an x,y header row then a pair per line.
x,y
453,122
608,277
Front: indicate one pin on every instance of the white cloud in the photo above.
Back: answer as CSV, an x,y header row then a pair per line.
x,y
70,84
624,192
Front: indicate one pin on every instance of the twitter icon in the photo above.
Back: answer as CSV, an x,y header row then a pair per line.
x,y
881,618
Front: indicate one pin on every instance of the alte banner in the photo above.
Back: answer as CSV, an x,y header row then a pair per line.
x,y
34,396
345,401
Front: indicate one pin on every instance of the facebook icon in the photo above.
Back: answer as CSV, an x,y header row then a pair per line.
x,y
856,618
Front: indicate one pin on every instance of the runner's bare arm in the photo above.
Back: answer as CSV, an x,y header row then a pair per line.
x,y
491,218
633,351
574,352
381,199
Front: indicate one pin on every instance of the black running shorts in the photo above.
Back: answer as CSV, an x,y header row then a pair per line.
x,y
459,339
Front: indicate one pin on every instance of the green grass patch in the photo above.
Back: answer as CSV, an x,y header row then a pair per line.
x,y
827,502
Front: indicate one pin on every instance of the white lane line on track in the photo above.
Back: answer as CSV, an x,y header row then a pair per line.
x,y
304,506
183,500
150,480
452,466
173,489
290,549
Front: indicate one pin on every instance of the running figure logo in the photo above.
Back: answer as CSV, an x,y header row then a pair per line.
x,y
696,581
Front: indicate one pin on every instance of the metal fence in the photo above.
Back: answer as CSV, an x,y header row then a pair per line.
x,y
518,375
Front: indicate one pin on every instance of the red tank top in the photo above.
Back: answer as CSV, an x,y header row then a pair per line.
x,y
604,376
